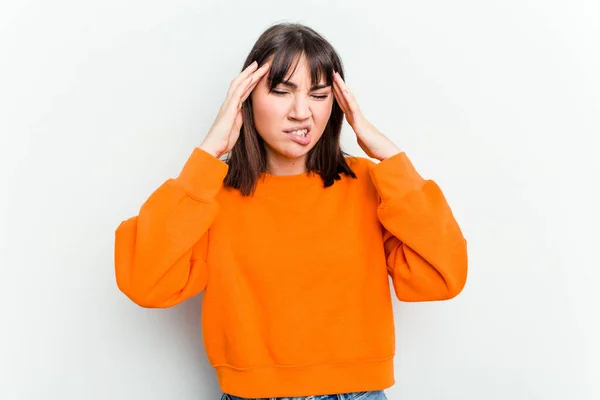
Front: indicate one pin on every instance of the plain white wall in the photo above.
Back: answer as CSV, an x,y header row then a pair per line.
x,y
499,101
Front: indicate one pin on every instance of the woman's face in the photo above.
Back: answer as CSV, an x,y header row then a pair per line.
x,y
292,104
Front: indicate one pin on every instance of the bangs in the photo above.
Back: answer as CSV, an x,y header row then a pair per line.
x,y
283,46
287,57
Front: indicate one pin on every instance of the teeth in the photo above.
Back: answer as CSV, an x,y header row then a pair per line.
x,y
301,132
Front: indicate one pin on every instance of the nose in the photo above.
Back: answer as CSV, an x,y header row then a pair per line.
x,y
300,108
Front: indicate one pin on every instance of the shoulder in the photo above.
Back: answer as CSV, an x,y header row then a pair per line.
x,y
360,165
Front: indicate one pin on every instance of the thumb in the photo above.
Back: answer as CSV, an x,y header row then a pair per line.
x,y
237,123
235,128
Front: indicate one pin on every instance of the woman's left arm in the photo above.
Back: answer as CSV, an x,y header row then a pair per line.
x,y
425,250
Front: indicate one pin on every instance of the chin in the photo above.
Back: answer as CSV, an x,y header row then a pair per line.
x,y
293,150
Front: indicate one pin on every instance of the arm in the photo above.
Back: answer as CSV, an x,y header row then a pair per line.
x,y
425,250
160,254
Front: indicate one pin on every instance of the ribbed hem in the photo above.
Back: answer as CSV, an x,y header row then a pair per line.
x,y
202,175
310,380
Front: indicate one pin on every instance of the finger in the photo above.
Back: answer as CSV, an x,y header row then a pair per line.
x,y
241,77
259,73
248,91
246,72
237,122
236,97
234,103
256,77
340,81
351,102
340,97
338,88
231,104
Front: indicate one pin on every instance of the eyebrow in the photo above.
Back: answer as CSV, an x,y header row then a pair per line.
x,y
294,86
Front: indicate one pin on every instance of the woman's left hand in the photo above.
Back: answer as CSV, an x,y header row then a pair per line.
x,y
374,143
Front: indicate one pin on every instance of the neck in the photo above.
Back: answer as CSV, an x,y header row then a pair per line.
x,y
278,164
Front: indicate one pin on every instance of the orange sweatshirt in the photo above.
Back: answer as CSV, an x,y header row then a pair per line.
x,y
297,300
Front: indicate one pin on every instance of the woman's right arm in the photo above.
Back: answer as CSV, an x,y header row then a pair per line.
x,y
160,254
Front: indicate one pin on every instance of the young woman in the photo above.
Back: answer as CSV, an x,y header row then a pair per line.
x,y
291,240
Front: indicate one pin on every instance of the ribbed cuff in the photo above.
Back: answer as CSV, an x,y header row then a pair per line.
x,y
202,175
396,176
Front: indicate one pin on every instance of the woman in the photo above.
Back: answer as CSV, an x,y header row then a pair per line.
x,y
292,241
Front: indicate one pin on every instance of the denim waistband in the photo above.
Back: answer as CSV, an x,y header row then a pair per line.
x,y
370,395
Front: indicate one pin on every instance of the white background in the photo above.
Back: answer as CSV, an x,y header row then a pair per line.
x,y
498,101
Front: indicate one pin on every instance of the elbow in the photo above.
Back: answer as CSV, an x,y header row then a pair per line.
x,y
426,290
145,293
145,302
140,292
445,289
146,299
457,279
125,266
444,280
455,288
142,298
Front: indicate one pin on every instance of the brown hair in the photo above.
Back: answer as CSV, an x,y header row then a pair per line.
x,y
286,42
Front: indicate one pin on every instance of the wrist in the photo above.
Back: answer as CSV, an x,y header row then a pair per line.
x,y
210,150
390,153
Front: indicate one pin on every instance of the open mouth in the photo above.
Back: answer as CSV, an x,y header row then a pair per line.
x,y
300,135
300,132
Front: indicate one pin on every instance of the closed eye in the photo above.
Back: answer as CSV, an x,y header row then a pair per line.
x,y
316,96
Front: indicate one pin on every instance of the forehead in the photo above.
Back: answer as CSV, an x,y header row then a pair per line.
x,y
296,68
301,70
299,74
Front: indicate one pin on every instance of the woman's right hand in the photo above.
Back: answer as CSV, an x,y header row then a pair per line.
x,y
225,130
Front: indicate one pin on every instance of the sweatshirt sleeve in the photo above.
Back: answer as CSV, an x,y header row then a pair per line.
x,y
425,250
160,254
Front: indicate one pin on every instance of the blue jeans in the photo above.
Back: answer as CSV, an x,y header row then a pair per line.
x,y
372,395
